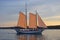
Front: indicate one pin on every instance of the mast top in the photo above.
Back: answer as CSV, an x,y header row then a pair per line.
x,y
26,8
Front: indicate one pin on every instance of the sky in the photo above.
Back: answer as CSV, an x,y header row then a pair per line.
x,y
49,10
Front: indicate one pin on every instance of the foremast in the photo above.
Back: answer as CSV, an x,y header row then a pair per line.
x,y
26,11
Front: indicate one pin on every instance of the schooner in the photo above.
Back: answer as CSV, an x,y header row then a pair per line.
x,y
36,24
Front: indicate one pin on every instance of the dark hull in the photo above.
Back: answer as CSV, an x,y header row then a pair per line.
x,y
28,31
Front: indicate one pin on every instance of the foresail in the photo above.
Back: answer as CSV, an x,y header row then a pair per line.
x,y
22,20
32,20
41,23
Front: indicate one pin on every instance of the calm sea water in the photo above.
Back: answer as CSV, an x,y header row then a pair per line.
x,y
10,34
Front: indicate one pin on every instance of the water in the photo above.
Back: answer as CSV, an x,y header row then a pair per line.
x,y
10,34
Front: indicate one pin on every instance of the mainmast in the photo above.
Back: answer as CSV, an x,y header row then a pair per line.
x,y
26,11
36,17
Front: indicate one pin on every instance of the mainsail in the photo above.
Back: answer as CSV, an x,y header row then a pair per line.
x,y
22,20
41,23
32,20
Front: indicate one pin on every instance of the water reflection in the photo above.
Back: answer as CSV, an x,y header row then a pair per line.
x,y
30,37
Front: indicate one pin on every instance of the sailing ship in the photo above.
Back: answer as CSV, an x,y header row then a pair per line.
x,y
36,24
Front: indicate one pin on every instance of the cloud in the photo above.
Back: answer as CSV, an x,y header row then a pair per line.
x,y
7,18
53,20
48,23
9,24
48,9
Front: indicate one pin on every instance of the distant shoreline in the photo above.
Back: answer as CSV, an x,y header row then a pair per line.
x,y
48,27
54,27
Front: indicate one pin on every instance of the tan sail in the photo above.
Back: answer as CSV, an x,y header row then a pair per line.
x,y
22,20
32,21
41,23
